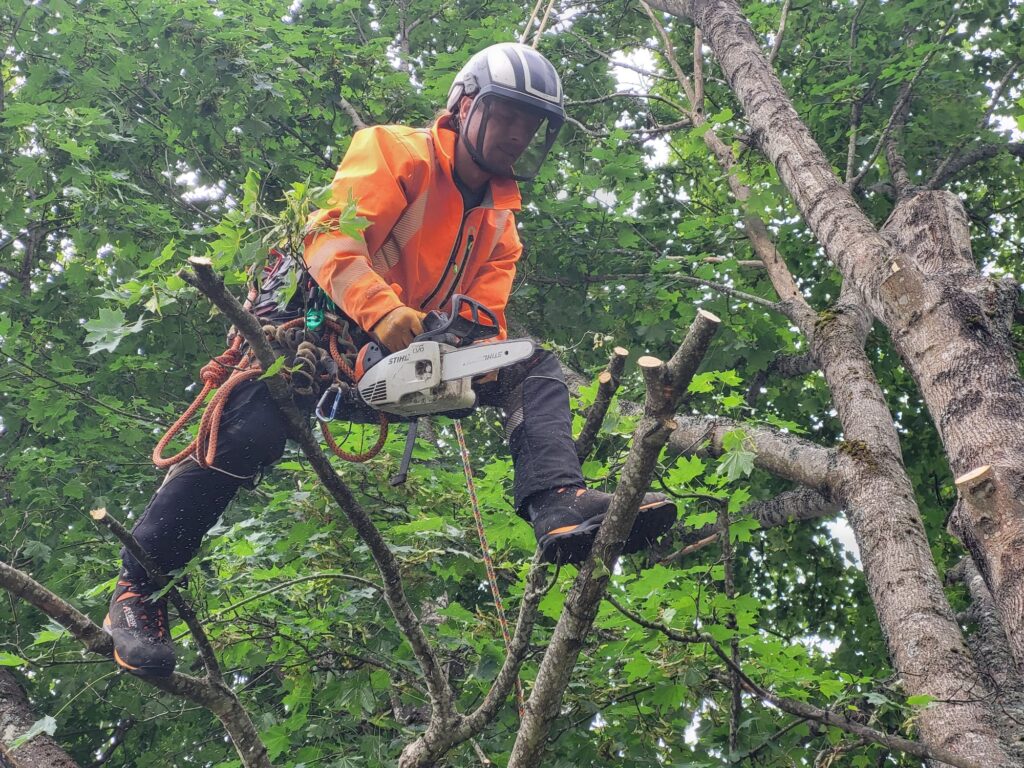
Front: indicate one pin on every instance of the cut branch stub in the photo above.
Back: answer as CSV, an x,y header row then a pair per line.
x,y
993,510
608,383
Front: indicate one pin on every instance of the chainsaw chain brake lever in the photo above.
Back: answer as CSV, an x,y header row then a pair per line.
x,y
457,330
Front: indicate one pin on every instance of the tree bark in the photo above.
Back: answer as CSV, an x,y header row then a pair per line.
x,y
924,641
16,717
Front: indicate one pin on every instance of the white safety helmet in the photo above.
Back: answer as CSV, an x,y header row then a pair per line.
x,y
510,75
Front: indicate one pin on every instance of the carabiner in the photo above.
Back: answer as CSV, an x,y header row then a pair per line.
x,y
334,406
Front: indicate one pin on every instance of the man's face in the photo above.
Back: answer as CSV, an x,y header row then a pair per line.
x,y
507,132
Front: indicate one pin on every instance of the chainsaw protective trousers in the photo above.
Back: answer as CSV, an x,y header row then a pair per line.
x,y
538,428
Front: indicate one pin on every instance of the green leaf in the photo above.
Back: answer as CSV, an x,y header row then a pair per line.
x,y
45,724
274,369
10,660
736,464
921,700
106,331
38,551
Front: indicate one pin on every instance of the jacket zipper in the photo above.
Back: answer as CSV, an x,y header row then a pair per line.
x,y
451,261
455,282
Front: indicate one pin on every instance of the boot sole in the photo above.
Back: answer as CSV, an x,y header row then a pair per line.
x,y
142,670
571,547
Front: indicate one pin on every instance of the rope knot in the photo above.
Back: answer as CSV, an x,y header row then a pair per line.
x,y
217,371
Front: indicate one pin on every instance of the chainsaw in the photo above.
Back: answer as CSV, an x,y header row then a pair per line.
x,y
434,374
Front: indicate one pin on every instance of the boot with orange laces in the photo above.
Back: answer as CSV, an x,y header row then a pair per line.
x,y
138,626
565,521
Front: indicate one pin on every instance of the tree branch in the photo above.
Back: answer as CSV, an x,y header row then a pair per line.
x,y
958,162
607,385
777,44
441,697
683,80
799,708
901,103
442,736
798,505
216,697
666,387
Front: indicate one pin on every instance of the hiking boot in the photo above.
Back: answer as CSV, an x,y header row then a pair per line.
x,y
566,520
138,626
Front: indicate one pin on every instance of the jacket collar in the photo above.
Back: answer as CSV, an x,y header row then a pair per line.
x,y
503,193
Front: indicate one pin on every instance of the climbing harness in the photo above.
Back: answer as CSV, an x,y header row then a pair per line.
x,y
312,367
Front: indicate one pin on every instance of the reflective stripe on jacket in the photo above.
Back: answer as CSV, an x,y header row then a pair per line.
x,y
421,245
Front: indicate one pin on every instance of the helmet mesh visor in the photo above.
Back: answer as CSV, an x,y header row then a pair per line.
x,y
508,138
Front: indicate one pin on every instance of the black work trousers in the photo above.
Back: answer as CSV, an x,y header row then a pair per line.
x,y
532,394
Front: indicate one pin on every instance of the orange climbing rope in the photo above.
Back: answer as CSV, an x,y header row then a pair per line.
x,y
224,373
492,575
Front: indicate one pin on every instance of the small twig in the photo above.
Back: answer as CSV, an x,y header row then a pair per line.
x,y
284,585
736,708
160,579
543,23
901,103
116,740
626,95
338,99
148,421
689,549
955,152
529,24
698,70
684,81
960,161
799,708
607,385
777,44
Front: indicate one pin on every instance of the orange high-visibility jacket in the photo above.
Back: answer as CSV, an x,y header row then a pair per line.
x,y
421,246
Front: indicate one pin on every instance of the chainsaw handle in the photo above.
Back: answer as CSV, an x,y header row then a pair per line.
x,y
452,328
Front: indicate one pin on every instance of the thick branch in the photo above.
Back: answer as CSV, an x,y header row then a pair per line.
x,y
666,386
16,717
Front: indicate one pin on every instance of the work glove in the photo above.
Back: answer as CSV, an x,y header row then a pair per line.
x,y
398,328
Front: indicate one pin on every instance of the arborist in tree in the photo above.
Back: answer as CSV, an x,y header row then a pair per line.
x,y
440,203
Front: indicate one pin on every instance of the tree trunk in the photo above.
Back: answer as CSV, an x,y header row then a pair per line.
x,y
966,373
16,717
924,640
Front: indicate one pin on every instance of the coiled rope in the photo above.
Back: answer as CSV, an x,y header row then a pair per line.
x,y
234,366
